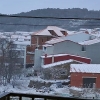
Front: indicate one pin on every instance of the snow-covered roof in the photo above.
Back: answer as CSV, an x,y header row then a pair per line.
x,y
42,32
71,32
89,42
2,36
1,33
85,68
76,37
88,30
21,36
57,63
47,45
96,33
56,29
22,42
55,55
8,32
30,52
55,40
23,32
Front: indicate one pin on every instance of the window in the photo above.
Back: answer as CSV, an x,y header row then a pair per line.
x,y
42,40
89,82
64,33
83,48
52,32
48,38
27,39
22,53
14,45
31,58
44,48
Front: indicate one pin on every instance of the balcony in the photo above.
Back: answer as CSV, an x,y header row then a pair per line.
x,y
21,96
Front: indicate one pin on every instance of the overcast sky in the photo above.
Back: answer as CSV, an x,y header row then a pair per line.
x,y
17,6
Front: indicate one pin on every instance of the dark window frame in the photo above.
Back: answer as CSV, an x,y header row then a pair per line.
x,y
83,48
53,33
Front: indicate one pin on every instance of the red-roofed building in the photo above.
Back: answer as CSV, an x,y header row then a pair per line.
x,y
85,75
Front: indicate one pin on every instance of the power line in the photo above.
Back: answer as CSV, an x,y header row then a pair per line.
x,y
46,18
43,25
26,24
89,25
72,18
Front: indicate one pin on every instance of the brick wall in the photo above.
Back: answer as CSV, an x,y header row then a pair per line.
x,y
77,80
29,59
32,47
41,39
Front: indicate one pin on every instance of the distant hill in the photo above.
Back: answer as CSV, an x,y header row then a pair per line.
x,y
50,12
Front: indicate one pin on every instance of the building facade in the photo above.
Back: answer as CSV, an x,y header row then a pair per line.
x,y
85,75
89,48
39,38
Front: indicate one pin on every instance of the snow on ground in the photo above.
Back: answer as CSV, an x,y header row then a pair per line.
x,y
42,80
21,86
75,88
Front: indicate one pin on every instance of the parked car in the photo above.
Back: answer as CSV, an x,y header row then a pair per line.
x,y
59,84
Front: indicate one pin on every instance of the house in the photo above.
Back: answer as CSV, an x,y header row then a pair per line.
x,y
88,48
20,44
85,75
42,59
21,47
71,44
52,39
12,52
91,49
22,40
62,45
40,37
76,37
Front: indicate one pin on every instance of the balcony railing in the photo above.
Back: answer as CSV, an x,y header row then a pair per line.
x,y
21,96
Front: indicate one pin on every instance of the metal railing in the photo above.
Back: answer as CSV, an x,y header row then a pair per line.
x,y
22,96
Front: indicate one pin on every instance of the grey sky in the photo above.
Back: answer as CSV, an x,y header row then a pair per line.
x,y
17,6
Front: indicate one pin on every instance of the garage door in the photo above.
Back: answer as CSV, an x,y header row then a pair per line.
x,y
88,82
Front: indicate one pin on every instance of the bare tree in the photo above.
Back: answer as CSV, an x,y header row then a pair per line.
x,y
9,65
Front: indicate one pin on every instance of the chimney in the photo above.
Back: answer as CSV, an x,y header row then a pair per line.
x,y
52,58
86,32
45,55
